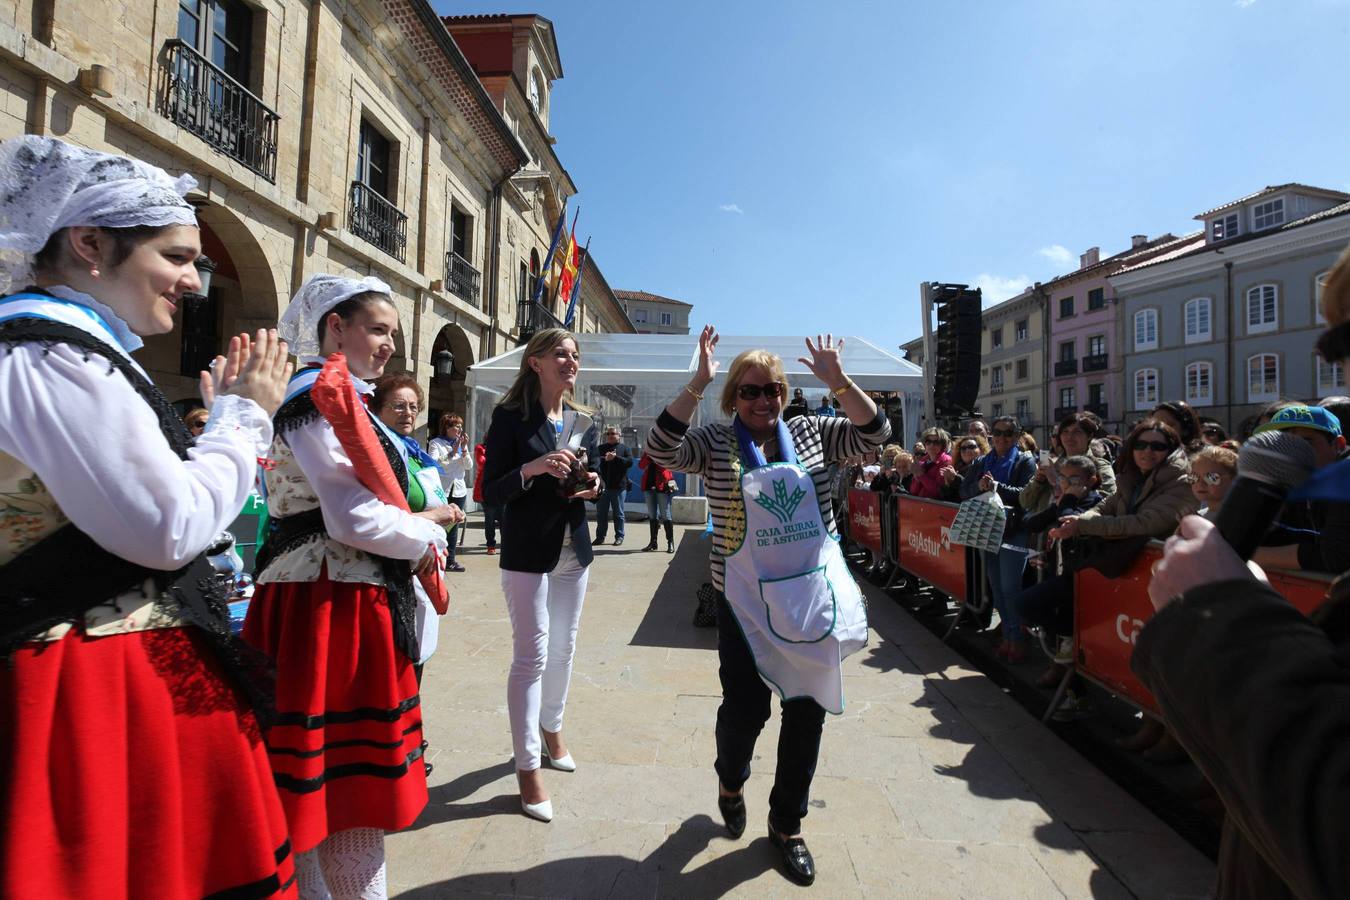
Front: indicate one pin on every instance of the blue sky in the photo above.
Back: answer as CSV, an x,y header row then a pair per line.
x,y
795,167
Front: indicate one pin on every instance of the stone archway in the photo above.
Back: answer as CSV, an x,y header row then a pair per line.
x,y
448,395
244,296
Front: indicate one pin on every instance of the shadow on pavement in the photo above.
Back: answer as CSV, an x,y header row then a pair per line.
x,y
662,873
441,805
669,619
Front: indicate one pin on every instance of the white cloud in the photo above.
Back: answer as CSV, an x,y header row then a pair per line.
x,y
1243,4
1058,255
731,208
996,289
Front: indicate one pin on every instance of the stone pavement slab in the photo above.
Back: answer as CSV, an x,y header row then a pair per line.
x,y
933,783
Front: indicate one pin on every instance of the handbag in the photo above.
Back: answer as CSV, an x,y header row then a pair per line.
x,y
980,522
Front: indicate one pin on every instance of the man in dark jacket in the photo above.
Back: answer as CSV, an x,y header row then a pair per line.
x,y
612,462
1259,696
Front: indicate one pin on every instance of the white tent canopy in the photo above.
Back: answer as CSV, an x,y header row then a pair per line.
x,y
631,377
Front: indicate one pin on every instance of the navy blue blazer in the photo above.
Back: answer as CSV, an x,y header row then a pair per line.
x,y
535,517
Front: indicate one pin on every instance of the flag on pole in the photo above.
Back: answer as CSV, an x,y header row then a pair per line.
x,y
576,286
547,268
569,267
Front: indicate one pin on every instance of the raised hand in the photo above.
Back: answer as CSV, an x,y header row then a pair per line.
x,y
225,369
262,378
825,362
707,366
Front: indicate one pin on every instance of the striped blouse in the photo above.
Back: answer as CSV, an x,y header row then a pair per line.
x,y
709,450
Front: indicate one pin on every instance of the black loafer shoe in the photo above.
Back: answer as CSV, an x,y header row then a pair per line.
x,y
801,868
733,813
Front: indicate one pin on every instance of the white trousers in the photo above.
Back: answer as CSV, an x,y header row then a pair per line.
x,y
545,611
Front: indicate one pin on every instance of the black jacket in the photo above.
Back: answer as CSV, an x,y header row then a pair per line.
x,y
1259,695
1068,505
613,472
537,516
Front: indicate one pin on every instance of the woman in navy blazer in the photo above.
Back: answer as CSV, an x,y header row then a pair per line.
x,y
546,552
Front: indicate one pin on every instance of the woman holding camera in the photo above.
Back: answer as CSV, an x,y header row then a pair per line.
x,y
791,610
536,470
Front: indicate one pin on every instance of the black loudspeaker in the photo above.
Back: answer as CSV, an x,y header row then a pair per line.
x,y
956,364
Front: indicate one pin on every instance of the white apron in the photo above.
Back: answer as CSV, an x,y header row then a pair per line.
x,y
428,621
790,588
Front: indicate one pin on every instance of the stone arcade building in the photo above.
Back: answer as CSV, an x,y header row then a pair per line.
x,y
344,136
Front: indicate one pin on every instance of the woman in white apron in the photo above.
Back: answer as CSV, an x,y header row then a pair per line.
x,y
791,610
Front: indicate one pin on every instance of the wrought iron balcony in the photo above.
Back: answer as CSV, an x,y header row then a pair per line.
x,y
1100,409
200,98
996,388
1097,363
532,317
1062,411
1066,367
464,280
376,220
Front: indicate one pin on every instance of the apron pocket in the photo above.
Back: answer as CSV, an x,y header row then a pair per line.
x,y
800,609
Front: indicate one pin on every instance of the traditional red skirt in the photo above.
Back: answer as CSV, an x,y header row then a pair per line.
x,y
129,767
346,747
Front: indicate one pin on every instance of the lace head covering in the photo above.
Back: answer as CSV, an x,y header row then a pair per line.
x,y
299,325
47,185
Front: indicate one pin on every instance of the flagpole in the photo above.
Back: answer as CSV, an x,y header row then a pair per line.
x,y
576,287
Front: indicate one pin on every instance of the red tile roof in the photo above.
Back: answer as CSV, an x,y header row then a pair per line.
x,y
650,298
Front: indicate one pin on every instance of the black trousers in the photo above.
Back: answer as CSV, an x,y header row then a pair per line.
x,y
741,717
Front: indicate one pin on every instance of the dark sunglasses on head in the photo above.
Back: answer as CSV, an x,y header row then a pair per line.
x,y
1003,432
772,390
1157,446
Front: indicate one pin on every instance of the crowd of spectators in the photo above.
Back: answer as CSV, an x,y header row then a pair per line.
x,y
1095,499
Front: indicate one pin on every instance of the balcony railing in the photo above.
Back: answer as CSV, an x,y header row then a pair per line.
x,y
1099,408
532,317
1062,411
200,98
1066,367
1096,363
996,388
464,280
376,220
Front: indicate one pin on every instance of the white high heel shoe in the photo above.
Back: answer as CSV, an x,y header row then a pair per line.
x,y
563,763
543,810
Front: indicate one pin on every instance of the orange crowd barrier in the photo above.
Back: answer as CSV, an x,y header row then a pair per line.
x,y
923,536
1110,612
864,519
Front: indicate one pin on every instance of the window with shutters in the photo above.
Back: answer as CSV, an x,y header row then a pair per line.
x,y
1200,384
1262,308
1145,389
1197,313
1263,378
1330,377
1146,329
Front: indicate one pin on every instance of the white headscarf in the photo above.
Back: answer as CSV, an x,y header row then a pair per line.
x,y
299,325
47,184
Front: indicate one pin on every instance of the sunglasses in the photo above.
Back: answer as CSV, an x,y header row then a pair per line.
x,y
938,441
201,424
772,390
1211,431
1003,432
1155,446
965,447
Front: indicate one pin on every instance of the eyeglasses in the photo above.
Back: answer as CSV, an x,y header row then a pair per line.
x,y
1155,446
772,390
1003,432
1073,479
405,408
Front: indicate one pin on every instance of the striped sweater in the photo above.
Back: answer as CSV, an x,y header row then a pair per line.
x,y
709,451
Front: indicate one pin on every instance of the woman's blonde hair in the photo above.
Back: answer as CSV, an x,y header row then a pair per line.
x,y
889,453
524,391
939,434
1218,456
740,364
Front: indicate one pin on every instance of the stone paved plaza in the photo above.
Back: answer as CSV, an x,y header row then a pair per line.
x,y
932,784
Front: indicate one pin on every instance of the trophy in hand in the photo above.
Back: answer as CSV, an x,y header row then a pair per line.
x,y
575,426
